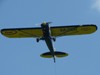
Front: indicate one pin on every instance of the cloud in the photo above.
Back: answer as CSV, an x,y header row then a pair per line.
x,y
96,5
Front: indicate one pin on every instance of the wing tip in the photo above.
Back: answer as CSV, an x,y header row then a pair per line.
x,y
93,25
1,31
96,27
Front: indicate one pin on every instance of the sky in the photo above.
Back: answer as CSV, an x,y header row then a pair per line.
x,y
22,56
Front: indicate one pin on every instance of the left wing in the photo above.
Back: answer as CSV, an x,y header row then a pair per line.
x,y
72,30
22,32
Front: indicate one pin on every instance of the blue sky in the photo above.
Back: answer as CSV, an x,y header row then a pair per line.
x,y
22,56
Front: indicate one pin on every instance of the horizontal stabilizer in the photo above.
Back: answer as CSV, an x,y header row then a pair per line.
x,y
60,54
46,55
57,54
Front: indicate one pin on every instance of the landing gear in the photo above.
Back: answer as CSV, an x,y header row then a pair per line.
x,y
37,40
54,39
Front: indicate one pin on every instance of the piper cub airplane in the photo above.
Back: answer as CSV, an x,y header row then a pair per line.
x,y
49,34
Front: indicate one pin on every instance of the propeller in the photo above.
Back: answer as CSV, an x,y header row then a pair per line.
x,y
38,24
42,23
48,22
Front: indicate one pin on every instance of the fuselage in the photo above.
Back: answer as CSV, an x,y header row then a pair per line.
x,y
47,37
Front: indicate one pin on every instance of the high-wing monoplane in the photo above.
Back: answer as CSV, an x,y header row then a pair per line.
x,y
49,34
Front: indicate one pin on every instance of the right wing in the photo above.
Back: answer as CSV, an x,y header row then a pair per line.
x,y
58,31
22,32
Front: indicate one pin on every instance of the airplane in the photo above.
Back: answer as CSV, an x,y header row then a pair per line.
x,y
49,34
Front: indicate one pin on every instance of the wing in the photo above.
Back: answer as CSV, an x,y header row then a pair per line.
x,y
73,30
22,32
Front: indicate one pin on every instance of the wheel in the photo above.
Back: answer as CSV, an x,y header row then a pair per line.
x,y
54,39
37,40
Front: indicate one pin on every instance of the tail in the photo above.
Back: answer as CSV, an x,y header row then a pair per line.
x,y
57,54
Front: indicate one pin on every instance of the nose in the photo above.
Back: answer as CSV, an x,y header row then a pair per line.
x,y
44,24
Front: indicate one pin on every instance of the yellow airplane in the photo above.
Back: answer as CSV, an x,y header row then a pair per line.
x,y
49,34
